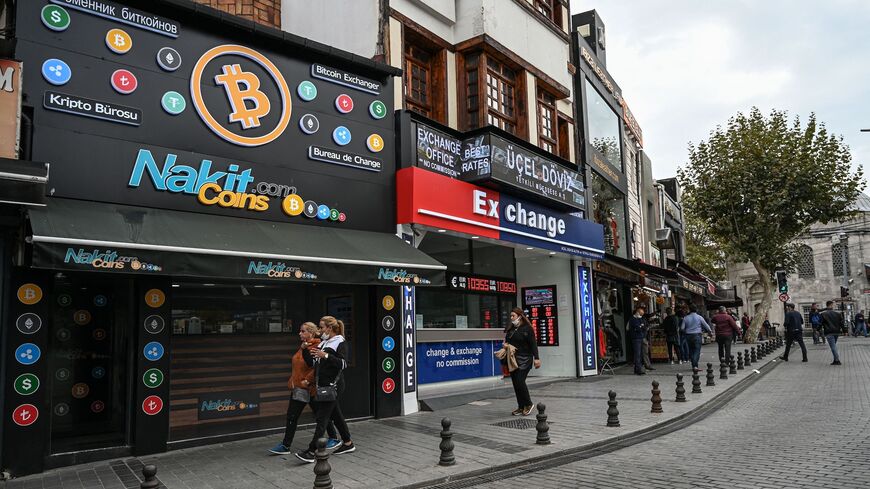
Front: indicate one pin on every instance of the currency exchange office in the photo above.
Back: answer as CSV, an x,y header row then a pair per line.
x,y
211,187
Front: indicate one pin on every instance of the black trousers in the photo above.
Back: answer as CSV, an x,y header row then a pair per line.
x,y
324,412
724,347
518,378
637,344
674,345
294,410
791,337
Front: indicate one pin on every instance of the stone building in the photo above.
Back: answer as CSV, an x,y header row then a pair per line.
x,y
819,273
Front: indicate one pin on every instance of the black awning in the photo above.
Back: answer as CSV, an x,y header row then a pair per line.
x,y
78,235
22,182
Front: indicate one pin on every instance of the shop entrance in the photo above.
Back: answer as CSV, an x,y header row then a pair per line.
x,y
88,362
231,348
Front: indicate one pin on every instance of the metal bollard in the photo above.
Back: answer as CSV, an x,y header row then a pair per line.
x,y
543,428
696,382
723,369
681,391
746,361
149,473
732,366
656,398
710,375
739,360
754,357
761,350
322,467
446,445
612,411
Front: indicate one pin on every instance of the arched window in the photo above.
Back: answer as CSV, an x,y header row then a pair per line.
x,y
806,267
840,258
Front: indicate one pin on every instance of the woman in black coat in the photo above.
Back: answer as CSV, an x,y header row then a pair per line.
x,y
519,333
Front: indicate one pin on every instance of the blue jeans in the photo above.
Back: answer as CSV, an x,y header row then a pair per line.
x,y
832,342
684,348
694,341
861,328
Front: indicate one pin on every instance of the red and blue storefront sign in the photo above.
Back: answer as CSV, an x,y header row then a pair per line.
x,y
435,200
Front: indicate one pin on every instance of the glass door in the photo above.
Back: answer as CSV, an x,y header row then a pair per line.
x,y
88,362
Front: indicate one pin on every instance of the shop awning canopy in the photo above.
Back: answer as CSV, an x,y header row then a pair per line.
x,y
78,235
22,182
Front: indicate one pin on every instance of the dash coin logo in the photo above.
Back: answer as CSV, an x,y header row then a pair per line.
x,y
248,103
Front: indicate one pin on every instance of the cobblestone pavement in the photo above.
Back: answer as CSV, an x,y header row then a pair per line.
x,y
811,429
403,451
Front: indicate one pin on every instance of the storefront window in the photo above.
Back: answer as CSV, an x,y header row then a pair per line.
x,y
449,250
613,314
608,209
456,310
603,127
490,259
228,309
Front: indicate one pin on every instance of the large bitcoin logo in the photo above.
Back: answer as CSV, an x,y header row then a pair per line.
x,y
242,87
248,102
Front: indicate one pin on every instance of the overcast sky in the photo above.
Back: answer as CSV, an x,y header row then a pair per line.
x,y
685,66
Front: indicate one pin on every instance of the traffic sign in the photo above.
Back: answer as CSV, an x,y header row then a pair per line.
x,y
784,297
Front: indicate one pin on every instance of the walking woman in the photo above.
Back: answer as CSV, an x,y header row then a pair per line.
x,y
520,335
329,361
301,385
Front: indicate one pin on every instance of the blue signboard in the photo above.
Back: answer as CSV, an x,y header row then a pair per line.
x,y
535,225
456,360
588,356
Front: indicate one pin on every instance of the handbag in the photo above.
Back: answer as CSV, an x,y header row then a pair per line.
x,y
325,393
301,395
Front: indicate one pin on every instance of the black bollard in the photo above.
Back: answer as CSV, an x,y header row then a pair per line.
x,y
446,445
710,375
753,356
149,473
739,360
696,382
322,467
732,366
746,362
723,369
656,398
612,412
761,350
542,427
681,391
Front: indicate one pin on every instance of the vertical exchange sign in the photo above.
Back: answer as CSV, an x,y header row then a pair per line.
x,y
409,332
586,321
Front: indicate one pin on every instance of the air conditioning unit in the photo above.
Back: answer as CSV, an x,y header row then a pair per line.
x,y
665,238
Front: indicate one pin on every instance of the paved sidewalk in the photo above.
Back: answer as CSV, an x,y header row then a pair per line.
x,y
803,426
404,451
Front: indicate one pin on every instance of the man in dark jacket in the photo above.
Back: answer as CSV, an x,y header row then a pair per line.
x,y
671,325
832,323
726,330
637,329
794,331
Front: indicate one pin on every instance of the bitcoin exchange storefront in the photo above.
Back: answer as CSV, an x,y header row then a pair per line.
x,y
208,195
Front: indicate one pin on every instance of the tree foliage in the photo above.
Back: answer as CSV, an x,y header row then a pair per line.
x,y
702,253
756,184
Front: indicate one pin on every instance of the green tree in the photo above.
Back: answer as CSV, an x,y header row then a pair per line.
x,y
702,253
756,184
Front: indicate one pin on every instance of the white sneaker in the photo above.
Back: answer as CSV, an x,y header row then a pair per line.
x,y
672,362
681,362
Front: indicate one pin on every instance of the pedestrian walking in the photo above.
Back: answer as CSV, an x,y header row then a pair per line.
x,y
671,325
637,329
816,323
684,340
520,335
329,362
737,331
726,330
693,325
745,321
301,385
832,324
794,331
860,324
